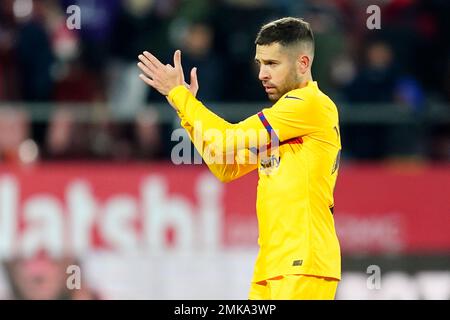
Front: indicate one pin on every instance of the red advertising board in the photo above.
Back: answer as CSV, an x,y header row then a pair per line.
x,y
139,207
390,208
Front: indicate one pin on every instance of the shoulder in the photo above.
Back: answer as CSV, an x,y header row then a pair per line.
x,y
297,94
310,94
296,98
307,93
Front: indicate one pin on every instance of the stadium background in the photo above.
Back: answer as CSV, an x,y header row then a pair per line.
x,y
86,175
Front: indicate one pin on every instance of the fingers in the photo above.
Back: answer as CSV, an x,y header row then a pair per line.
x,y
153,60
146,70
177,59
150,68
194,81
161,77
148,81
177,64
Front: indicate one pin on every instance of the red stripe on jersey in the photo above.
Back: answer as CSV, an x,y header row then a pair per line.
x,y
297,140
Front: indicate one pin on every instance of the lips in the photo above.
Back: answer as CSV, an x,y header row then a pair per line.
x,y
268,87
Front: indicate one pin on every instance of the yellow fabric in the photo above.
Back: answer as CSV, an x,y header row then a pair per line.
x,y
296,180
224,172
294,287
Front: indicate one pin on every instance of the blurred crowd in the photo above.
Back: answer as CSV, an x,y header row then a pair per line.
x,y
406,63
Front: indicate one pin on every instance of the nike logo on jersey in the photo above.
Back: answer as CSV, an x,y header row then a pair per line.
x,y
292,97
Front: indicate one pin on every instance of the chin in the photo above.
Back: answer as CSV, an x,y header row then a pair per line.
x,y
273,97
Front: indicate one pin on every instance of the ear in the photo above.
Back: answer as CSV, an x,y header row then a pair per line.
x,y
303,63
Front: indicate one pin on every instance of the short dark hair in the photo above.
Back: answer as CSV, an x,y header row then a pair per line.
x,y
286,31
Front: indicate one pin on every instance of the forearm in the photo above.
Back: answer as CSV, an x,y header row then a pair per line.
x,y
223,136
223,170
193,110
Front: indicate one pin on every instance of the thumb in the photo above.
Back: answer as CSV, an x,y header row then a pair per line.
x,y
177,59
193,87
177,63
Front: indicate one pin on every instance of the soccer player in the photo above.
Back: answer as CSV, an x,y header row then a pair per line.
x,y
299,256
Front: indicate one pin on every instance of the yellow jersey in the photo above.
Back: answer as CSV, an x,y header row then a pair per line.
x,y
297,176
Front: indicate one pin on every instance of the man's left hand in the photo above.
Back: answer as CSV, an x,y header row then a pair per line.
x,y
161,77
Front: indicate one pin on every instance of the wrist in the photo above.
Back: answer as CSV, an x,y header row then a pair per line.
x,y
172,92
174,96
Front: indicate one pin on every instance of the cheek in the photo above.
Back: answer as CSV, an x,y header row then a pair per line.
x,y
285,78
280,76
290,71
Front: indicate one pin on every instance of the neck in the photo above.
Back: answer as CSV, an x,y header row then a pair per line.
x,y
307,77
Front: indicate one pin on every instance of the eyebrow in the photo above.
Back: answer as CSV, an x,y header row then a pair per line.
x,y
266,61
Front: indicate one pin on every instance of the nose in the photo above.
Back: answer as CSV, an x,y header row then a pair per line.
x,y
263,73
